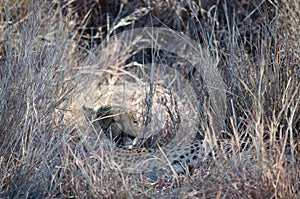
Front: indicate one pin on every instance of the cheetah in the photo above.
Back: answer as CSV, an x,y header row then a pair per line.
x,y
166,160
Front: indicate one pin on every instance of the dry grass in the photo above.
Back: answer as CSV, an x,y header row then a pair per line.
x,y
49,68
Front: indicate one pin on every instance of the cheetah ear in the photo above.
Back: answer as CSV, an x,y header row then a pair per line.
x,y
89,113
104,111
91,116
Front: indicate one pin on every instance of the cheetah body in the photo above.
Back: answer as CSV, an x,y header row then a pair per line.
x,y
170,159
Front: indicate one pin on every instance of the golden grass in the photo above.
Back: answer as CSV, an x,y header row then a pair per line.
x,y
49,67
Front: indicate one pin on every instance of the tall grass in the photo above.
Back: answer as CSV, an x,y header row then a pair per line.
x,y
45,147
33,72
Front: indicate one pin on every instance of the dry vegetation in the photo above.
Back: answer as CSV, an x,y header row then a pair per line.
x,y
49,68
